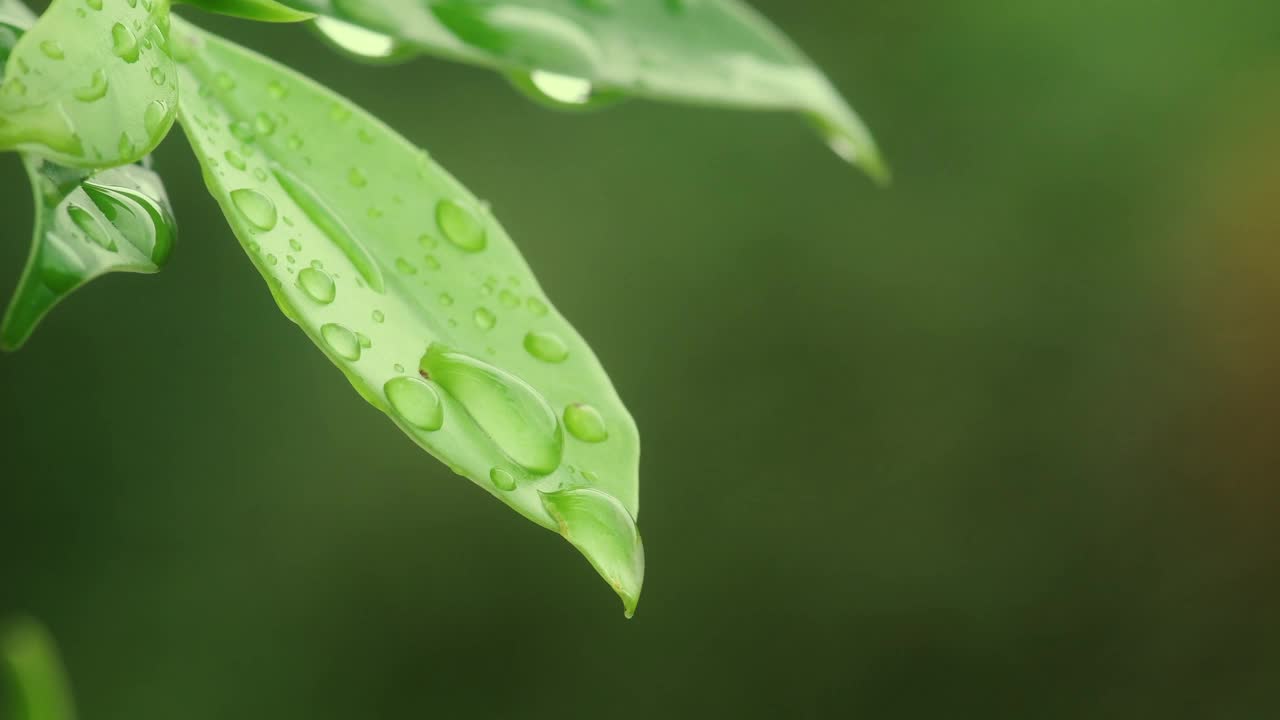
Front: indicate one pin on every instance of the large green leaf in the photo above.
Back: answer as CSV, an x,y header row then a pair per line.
x,y
91,84
407,283
32,674
578,52
87,223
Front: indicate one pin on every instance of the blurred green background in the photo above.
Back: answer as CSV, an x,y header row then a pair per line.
x,y
1002,440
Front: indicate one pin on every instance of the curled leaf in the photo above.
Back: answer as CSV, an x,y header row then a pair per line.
x,y
87,223
586,53
408,284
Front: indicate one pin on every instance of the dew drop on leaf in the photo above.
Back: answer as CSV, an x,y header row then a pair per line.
x,y
317,285
584,422
255,207
546,346
460,226
416,402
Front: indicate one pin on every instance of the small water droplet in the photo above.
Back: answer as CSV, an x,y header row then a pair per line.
x,y
95,90
428,242
52,50
94,4
378,316
157,75
234,159
295,245
263,124
585,423
406,267
317,284
460,226
536,306
446,299
341,340
123,43
514,415
271,259
485,319
255,207
242,131
415,401
431,262
224,81
502,479
546,346
364,341
508,299
155,117
356,178
277,90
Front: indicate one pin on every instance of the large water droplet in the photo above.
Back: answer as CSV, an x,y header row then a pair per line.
x,y
95,90
255,207
585,423
317,285
601,528
416,402
460,226
546,346
513,414
341,340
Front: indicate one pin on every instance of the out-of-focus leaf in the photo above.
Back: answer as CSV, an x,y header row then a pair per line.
x,y
580,53
260,10
91,84
87,223
31,674
407,283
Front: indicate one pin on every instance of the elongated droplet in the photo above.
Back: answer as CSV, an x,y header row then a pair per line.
x,y
415,401
546,346
584,422
514,415
602,529
255,207
124,44
341,340
317,285
502,479
154,117
460,226
91,227
52,50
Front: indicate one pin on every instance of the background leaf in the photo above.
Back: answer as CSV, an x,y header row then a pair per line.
x,y
87,224
91,84
261,10
31,672
406,282
576,53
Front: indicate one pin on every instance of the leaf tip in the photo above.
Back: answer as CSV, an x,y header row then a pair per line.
x,y
598,525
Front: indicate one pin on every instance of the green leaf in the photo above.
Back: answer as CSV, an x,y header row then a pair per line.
x,y
577,53
87,223
407,283
260,10
91,84
33,674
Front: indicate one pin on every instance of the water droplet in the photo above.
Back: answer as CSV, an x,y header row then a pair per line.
x,y
378,316
317,285
95,90
260,174
271,259
295,245
255,207
584,422
263,124
157,75
52,50
277,90
332,226
294,142
428,242
94,4
502,479
415,401
357,178
446,299
406,267
514,415
536,306
342,341
508,299
125,146
242,131
123,43
460,226
224,81
485,319
600,527
234,159
431,262
155,117
546,346
91,227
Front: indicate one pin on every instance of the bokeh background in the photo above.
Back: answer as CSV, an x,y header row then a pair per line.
x,y
1001,441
